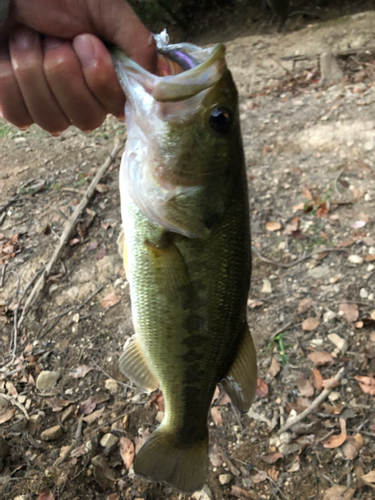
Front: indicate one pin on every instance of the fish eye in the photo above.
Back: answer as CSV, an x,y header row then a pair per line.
x,y
220,120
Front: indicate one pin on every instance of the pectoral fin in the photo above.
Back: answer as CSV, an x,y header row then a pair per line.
x,y
241,380
134,366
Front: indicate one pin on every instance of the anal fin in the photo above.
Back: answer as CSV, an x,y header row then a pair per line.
x,y
240,382
134,366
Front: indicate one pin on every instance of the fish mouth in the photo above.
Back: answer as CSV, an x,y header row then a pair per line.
x,y
200,70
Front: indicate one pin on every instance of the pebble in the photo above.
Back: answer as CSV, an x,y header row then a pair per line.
x,y
339,342
225,478
267,287
52,433
111,386
329,316
204,494
318,272
334,396
47,380
285,437
108,440
363,293
355,259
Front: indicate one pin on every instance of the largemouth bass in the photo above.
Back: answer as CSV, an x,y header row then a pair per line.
x,y
186,250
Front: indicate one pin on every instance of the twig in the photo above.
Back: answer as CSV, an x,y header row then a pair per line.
x,y
13,340
77,437
315,404
69,226
14,402
3,274
336,180
284,69
8,204
295,262
109,376
281,330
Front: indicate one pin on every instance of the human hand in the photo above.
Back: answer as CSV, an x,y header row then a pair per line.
x,y
54,69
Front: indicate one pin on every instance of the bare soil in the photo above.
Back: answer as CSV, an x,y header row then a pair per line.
x,y
310,158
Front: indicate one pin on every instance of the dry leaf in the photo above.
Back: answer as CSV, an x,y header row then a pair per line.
x,y
317,379
6,414
350,311
259,478
239,492
304,386
330,383
307,194
320,358
216,415
262,388
298,207
369,258
369,478
58,404
358,224
114,496
305,304
339,493
127,451
272,457
11,389
88,406
80,372
46,495
93,416
322,210
367,384
273,226
352,446
310,324
274,369
338,439
254,303
110,300
346,243
101,188
102,473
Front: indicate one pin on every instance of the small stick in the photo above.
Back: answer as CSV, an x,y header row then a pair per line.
x,y
8,204
77,437
14,402
315,404
3,274
295,262
69,226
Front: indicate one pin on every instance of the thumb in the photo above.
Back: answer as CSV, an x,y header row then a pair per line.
x,y
117,23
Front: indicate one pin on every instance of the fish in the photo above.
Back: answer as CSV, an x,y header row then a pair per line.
x,y
186,250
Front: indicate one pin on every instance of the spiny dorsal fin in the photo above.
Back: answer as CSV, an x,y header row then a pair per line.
x,y
134,366
241,381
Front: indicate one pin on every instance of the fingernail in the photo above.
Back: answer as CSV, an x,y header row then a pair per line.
x,y
85,50
24,38
51,42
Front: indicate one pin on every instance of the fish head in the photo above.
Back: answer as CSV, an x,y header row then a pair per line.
x,y
184,146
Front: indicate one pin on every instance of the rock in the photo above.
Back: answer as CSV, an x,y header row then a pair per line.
x,y
159,416
52,433
108,440
267,287
355,259
47,380
328,316
363,293
318,272
35,421
334,396
111,386
68,413
330,70
339,342
225,478
285,438
289,449
204,494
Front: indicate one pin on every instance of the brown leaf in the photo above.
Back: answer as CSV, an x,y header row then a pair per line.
x,y
58,404
338,439
273,226
369,478
350,311
46,495
110,300
369,258
101,253
254,303
216,416
262,388
320,358
88,406
274,369
158,400
367,384
272,457
259,477
317,379
305,304
310,324
239,492
346,243
339,493
307,194
80,372
352,446
322,210
102,473
330,383
6,414
113,496
304,386
101,188
11,389
74,241
127,451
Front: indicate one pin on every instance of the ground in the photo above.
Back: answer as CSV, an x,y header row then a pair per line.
x,y
310,160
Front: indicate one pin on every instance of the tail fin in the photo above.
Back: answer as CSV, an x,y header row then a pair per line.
x,y
183,466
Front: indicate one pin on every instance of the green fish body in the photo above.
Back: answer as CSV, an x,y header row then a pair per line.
x,y
187,255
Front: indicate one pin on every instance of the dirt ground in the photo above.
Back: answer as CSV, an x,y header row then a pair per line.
x,y
310,157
